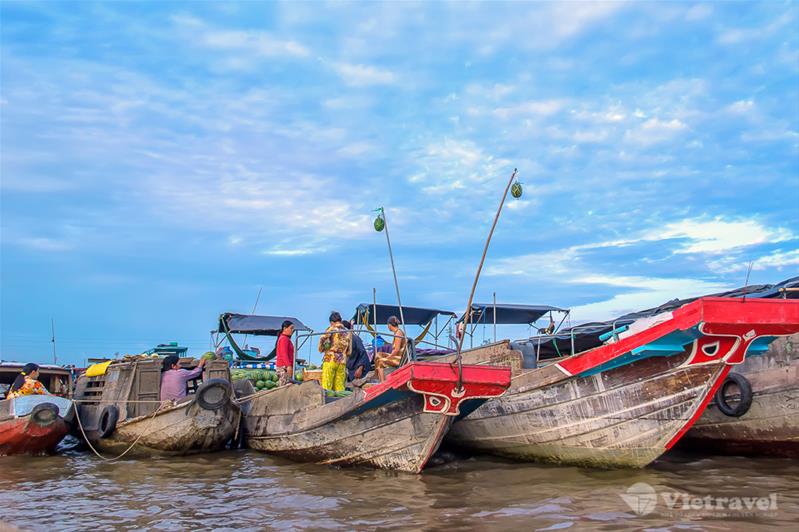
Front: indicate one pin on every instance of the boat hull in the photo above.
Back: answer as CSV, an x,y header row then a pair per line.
x,y
396,436
177,430
23,436
771,425
396,425
624,417
23,430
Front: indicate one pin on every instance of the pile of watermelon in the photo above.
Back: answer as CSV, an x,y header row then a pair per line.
x,y
261,379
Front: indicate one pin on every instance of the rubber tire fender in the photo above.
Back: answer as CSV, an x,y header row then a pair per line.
x,y
49,410
107,422
211,386
746,395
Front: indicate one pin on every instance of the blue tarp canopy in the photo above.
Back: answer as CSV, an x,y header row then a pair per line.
x,y
256,325
509,314
413,315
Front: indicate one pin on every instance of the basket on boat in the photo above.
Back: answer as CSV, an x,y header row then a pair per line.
x,y
311,375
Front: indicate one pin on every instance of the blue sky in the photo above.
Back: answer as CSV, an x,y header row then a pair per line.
x,y
162,161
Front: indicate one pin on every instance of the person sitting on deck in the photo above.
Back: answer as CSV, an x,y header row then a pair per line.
x,y
393,359
358,363
26,384
284,364
174,379
335,344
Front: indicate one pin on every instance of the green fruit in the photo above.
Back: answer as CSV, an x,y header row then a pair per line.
x,y
269,385
516,190
380,224
259,384
298,376
209,356
274,377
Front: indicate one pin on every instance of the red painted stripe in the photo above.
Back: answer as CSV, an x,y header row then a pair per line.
x,y
701,409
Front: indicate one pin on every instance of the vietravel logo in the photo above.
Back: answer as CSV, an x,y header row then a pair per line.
x,y
644,499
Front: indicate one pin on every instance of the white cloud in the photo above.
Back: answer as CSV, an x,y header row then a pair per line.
x,y
654,131
644,292
43,244
530,108
363,75
778,259
718,235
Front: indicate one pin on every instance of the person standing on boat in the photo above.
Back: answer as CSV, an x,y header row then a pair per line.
x,y
26,384
174,378
358,363
393,359
284,364
336,345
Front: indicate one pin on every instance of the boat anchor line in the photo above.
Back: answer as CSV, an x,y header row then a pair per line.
x,y
126,451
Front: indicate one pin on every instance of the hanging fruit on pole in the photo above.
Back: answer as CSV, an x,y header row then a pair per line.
x,y
516,190
380,223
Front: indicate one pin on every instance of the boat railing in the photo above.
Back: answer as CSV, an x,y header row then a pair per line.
x,y
410,351
617,327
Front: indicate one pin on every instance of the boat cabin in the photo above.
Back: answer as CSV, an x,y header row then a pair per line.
x,y
56,379
134,385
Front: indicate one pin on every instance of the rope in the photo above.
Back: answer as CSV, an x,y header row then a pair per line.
x,y
101,457
120,401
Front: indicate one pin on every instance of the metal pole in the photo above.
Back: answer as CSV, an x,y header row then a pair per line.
x,y
495,317
393,269
374,320
477,277
52,339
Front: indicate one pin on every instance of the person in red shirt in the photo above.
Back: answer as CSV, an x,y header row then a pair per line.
x,y
285,353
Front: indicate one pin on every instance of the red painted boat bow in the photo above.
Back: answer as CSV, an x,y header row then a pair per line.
x,y
438,382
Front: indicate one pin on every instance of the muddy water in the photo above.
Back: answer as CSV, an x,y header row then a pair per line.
x,y
250,490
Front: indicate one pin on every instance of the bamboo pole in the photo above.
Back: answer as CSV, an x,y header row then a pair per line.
x,y
468,314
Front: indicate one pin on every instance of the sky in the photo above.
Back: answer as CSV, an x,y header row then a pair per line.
x,y
160,163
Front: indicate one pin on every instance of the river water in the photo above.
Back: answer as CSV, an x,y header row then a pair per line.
x,y
250,490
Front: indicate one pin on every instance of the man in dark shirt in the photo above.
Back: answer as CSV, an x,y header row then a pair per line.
x,y
358,363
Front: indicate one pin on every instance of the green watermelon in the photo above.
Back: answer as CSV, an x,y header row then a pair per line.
x,y
209,356
269,385
260,384
273,377
298,376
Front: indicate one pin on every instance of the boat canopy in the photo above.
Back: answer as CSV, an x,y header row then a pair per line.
x,y
413,315
587,335
256,325
509,314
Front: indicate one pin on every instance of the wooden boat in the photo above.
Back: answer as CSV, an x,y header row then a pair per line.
x,y
397,424
627,402
756,412
35,424
119,408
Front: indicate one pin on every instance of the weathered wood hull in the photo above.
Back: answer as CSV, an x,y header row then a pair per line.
x,y
23,436
624,417
396,436
178,430
396,425
771,425
628,401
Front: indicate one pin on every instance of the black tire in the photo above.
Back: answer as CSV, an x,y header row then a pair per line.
x,y
213,394
44,414
107,422
746,395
